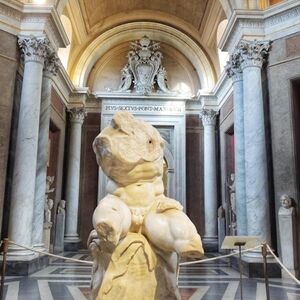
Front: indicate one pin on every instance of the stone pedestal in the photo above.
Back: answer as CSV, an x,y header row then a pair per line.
x,y
23,186
46,235
288,235
72,187
253,267
210,239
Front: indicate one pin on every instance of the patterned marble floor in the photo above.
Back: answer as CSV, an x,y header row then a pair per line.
x,y
63,280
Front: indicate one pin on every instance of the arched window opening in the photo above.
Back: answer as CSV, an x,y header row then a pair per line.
x,y
223,55
64,53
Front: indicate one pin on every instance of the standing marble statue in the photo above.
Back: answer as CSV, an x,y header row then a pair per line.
x,y
232,204
48,212
60,227
139,232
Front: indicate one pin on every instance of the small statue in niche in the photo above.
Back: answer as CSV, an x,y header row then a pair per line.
x,y
48,208
60,227
232,203
48,202
49,182
139,232
61,209
231,188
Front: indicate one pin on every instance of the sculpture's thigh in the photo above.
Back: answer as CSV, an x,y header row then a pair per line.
x,y
172,230
111,219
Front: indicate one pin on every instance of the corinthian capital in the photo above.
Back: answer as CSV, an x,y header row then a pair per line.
x,y
253,53
34,48
208,116
51,64
233,66
77,114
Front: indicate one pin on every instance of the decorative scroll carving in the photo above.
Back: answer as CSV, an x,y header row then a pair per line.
x,y
51,64
253,53
144,68
34,48
208,116
233,66
77,114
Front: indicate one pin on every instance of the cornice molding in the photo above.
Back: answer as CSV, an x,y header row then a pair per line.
x,y
29,19
272,23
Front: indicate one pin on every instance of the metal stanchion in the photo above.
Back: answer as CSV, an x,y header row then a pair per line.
x,y
240,244
4,253
264,251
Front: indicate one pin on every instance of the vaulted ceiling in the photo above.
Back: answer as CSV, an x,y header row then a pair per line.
x,y
99,26
191,11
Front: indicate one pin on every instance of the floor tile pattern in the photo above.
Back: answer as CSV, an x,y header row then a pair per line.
x,y
64,280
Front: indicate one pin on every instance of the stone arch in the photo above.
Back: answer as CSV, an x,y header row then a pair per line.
x,y
160,32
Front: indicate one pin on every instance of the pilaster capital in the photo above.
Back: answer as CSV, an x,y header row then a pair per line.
x,y
208,117
253,53
77,114
34,48
233,67
51,64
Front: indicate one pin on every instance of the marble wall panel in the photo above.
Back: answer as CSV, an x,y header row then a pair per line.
x,y
194,171
89,176
282,70
8,67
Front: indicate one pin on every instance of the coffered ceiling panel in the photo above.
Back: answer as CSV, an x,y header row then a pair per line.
x,y
191,11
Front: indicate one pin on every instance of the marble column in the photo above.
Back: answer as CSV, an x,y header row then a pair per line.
x,y
23,186
72,188
234,71
253,54
210,179
50,70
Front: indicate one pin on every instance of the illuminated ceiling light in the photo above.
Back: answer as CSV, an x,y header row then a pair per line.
x,y
38,1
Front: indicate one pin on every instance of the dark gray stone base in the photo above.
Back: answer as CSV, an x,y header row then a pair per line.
x,y
256,269
25,268
72,246
210,245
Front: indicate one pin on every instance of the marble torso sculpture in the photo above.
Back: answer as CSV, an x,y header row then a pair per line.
x,y
139,232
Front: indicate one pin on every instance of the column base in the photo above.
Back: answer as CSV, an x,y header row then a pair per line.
x,y
24,265
210,244
72,244
252,266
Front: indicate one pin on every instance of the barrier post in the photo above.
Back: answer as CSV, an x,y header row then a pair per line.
x,y
264,251
4,250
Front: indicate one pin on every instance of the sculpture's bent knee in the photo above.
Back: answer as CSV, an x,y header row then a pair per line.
x,y
172,230
111,219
